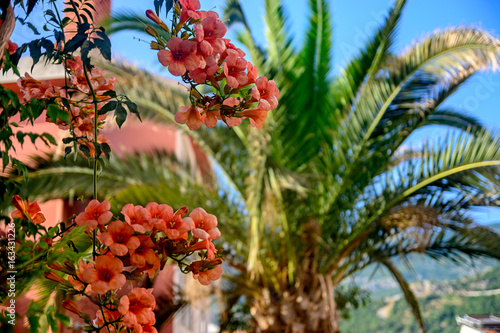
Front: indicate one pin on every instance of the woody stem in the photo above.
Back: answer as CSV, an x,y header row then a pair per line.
x,y
94,99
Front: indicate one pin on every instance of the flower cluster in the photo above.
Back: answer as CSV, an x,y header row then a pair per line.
x,y
198,52
138,244
75,98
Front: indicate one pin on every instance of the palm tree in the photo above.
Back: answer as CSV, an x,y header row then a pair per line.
x,y
329,186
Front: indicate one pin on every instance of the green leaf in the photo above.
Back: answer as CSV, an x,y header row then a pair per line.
x,y
65,320
64,116
233,13
110,93
103,44
132,107
110,106
67,151
127,20
53,112
29,24
303,133
82,28
50,138
74,43
98,150
158,4
87,46
68,140
51,321
20,137
410,297
31,6
106,149
120,114
34,322
89,4
35,52
168,6
85,150
59,35
89,15
48,46
33,137
65,21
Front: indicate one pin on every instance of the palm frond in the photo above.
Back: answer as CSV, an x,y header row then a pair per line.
x,y
304,118
127,20
441,58
452,118
408,184
350,81
233,14
456,153
411,83
426,170
439,230
407,292
280,52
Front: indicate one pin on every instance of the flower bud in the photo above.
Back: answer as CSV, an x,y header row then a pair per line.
x,y
56,266
227,89
182,211
215,84
185,35
89,328
164,27
177,8
69,266
151,31
196,94
156,46
216,261
72,307
48,240
53,276
153,17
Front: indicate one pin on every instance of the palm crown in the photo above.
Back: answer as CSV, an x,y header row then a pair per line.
x,y
328,186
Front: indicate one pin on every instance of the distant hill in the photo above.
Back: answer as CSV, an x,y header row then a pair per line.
x,y
494,225
380,283
392,314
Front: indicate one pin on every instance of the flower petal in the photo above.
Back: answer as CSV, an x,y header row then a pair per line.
x,y
177,68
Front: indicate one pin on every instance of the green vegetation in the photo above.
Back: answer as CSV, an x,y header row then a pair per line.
x,y
439,311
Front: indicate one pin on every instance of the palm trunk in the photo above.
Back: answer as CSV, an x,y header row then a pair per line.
x,y
310,308
7,26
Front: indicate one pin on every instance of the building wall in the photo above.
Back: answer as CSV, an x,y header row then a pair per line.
x,y
195,316
467,329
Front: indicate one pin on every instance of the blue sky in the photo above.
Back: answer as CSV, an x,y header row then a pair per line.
x,y
353,23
